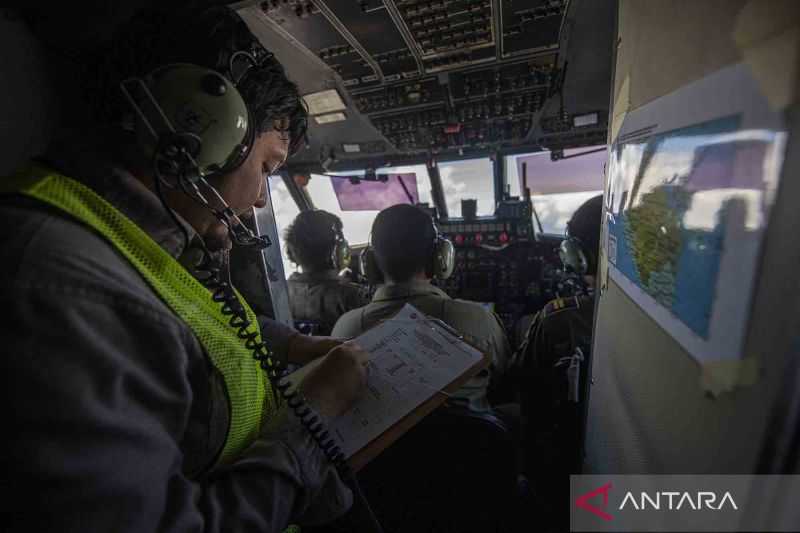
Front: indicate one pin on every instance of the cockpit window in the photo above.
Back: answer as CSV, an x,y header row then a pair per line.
x,y
358,194
285,210
358,210
468,179
559,187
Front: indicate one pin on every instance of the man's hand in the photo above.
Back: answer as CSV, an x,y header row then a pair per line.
x,y
304,349
337,381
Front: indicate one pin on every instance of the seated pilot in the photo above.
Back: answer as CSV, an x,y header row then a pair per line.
x,y
408,252
578,253
554,355
318,296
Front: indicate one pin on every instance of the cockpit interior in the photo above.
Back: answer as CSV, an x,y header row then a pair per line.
x,y
660,355
468,108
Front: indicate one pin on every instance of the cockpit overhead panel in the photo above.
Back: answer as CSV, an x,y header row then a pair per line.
x,y
427,77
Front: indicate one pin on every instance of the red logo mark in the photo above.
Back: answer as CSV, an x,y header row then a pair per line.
x,y
583,502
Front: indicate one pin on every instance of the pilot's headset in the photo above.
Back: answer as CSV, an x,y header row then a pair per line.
x,y
440,265
573,254
341,253
194,124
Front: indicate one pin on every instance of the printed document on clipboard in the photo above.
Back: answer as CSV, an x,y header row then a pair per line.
x,y
415,363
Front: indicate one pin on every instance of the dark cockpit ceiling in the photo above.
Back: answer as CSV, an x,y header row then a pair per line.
x,y
446,78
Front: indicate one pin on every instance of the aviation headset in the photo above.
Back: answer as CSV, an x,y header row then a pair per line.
x,y
574,255
194,124
341,253
203,120
439,266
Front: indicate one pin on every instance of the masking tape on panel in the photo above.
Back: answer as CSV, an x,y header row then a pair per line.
x,y
604,253
759,21
621,104
768,36
724,375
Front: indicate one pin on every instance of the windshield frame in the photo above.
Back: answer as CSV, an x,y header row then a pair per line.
x,y
495,177
500,172
358,223
510,171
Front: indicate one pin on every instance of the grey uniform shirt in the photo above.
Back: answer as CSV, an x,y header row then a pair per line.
x,y
322,297
117,414
478,325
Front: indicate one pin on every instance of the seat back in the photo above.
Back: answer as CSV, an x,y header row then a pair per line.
x,y
553,397
553,385
454,471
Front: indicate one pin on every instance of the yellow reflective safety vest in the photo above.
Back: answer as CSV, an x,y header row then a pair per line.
x,y
249,390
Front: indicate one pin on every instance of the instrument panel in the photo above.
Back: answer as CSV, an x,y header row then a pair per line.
x,y
499,261
474,110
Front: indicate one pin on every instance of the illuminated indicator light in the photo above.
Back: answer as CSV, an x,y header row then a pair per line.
x,y
330,117
585,120
478,238
459,239
504,237
324,102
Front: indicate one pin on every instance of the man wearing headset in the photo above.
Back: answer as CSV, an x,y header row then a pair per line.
x,y
554,353
138,401
578,254
408,252
319,295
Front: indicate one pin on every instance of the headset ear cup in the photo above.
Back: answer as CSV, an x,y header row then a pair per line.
x,y
591,263
583,265
369,266
345,254
572,256
341,254
443,259
210,117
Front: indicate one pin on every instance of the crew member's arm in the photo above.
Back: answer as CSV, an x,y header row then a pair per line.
x,y
292,346
99,392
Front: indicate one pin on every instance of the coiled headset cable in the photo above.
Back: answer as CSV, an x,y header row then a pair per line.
x,y
222,292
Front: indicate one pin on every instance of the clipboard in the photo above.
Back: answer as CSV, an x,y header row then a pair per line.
x,y
434,396
360,459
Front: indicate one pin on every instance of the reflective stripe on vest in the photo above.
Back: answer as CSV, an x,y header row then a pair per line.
x,y
249,391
